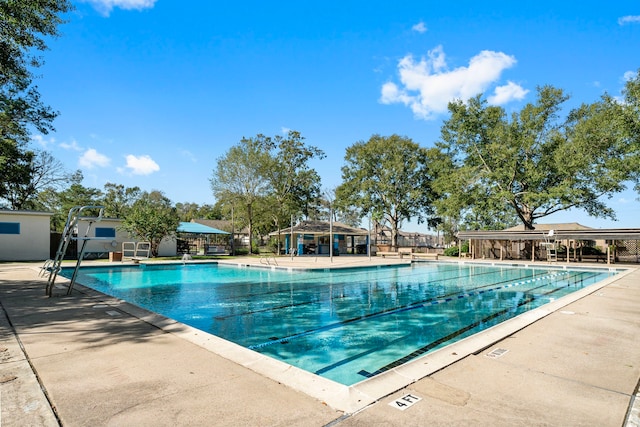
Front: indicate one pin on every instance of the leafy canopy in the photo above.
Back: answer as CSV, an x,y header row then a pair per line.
x,y
24,27
268,178
151,218
535,162
387,177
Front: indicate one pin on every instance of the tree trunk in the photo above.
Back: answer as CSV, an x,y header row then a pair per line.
x,y
525,215
394,235
250,218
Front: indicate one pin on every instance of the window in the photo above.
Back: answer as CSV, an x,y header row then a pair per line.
x,y
105,232
9,228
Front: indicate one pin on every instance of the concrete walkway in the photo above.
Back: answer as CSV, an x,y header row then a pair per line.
x,y
89,359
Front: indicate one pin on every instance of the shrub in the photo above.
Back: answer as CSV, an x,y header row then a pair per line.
x,y
454,250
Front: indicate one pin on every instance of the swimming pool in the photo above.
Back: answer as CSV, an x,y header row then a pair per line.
x,y
343,324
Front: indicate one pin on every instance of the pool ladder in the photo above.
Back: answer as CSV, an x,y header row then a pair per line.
x,y
267,259
52,266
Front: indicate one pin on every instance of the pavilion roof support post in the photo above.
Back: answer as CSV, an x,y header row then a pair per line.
x,y
291,240
369,239
330,234
533,251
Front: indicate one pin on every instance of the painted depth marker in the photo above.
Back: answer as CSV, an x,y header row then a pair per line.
x,y
405,401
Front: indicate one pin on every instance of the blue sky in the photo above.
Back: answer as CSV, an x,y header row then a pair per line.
x,y
152,92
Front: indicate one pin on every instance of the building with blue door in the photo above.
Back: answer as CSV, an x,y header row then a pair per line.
x,y
315,238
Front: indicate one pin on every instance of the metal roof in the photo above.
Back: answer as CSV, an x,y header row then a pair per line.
x,y
195,228
322,227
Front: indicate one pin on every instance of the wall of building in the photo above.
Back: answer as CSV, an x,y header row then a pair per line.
x,y
110,238
24,235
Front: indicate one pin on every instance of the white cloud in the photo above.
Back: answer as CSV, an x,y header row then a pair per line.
x,y
106,6
420,27
629,19
189,155
73,145
427,86
141,165
91,159
42,141
507,93
284,130
628,76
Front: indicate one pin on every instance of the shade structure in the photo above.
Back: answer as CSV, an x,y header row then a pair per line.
x,y
322,227
195,228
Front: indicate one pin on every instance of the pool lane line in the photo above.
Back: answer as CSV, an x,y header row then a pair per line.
x,y
331,298
453,268
432,345
324,284
400,309
412,355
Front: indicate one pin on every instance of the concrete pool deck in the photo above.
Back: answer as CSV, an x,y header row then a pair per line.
x,y
88,359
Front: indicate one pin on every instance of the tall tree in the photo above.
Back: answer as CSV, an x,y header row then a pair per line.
x,y
240,177
119,199
25,25
39,171
387,177
535,163
151,218
189,211
631,119
294,185
60,202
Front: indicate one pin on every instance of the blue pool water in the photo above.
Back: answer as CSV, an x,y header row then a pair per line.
x,y
346,325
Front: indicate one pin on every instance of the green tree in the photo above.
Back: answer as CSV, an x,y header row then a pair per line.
x,y
631,119
39,171
389,178
189,211
535,163
208,211
60,202
241,179
151,218
118,199
25,25
294,185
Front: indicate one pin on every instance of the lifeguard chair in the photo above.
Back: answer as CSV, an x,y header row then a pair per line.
x,y
549,245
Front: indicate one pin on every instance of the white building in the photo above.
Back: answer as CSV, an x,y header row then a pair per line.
x,y
24,235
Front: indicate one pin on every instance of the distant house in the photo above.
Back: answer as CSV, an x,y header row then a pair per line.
x,y
381,235
24,235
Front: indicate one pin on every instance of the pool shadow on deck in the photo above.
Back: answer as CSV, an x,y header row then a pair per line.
x,y
102,361
91,321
